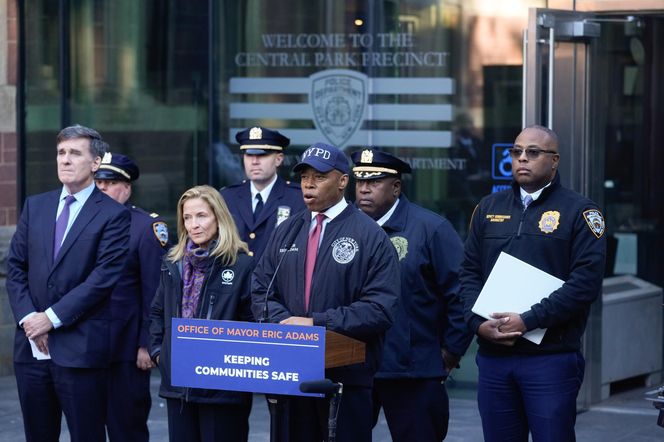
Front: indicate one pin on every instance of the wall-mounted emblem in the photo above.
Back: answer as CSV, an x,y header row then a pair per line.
x,y
338,98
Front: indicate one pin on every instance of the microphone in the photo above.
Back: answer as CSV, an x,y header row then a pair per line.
x,y
323,386
290,239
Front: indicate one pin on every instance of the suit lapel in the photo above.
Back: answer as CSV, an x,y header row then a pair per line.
x,y
87,213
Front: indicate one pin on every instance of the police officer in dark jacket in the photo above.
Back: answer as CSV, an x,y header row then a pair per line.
x,y
429,334
129,374
265,200
523,386
341,274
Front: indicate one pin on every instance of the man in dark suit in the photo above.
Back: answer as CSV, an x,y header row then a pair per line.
x,y
67,254
265,200
129,398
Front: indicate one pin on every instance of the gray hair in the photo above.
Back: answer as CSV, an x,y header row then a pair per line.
x,y
98,147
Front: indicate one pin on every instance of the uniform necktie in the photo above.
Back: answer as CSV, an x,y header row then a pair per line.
x,y
526,201
310,261
259,206
61,225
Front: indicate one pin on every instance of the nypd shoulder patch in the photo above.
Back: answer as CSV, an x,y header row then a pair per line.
x,y
595,221
160,230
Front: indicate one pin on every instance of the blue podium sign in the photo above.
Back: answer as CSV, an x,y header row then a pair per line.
x,y
246,356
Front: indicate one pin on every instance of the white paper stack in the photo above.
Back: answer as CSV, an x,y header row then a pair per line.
x,y
514,286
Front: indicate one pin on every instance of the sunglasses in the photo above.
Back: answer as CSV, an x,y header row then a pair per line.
x,y
531,153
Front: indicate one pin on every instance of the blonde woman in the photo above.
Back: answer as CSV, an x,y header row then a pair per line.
x,y
191,287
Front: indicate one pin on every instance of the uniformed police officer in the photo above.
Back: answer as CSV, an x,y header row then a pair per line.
x,y
524,387
429,334
129,374
265,200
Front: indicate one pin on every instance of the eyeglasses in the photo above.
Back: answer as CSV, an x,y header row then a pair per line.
x,y
531,153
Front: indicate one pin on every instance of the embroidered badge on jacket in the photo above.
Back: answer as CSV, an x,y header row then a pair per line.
x,y
549,221
595,221
344,250
401,245
227,277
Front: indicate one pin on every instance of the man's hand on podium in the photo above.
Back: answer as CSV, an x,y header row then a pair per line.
x,y
298,320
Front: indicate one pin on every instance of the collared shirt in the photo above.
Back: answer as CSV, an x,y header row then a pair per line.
x,y
383,219
533,195
330,214
265,193
75,207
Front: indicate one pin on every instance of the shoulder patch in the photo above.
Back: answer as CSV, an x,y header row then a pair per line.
x,y
160,230
595,221
154,215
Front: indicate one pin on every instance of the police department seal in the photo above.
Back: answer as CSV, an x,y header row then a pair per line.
x,y
344,249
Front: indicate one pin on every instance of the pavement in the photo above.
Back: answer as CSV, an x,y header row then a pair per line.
x,y
623,417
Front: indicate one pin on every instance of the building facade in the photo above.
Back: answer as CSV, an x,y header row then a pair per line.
x,y
444,84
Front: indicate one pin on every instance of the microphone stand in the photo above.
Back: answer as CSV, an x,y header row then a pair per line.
x,y
277,403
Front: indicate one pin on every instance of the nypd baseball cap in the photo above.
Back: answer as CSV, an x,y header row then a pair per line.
x,y
323,158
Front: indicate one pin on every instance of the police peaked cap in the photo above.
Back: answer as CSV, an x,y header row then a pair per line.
x,y
371,164
117,167
258,140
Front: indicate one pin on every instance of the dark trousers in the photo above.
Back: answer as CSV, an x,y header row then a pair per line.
x,y
129,403
308,417
194,422
518,394
415,409
47,390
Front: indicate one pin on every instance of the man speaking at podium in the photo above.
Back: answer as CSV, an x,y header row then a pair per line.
x,y
341,273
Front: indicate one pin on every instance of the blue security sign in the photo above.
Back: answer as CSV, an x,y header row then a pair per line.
x,y
245,356
501,162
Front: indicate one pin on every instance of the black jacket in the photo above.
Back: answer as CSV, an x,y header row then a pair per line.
x,y
354,289
219,300
561,233
430,313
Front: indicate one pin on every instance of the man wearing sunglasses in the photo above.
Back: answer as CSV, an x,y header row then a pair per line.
x,y
524,387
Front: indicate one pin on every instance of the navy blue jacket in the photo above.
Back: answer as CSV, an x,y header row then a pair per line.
x,y
285,198
132,296
430,313
354,289
568,248
77,286
219,300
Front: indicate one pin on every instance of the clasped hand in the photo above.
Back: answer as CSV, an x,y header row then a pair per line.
x,y
503,328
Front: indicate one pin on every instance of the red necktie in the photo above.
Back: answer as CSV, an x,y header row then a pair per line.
x,y
310,262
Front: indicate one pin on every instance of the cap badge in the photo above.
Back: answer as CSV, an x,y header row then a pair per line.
x,y
367,156
108,157
256,133
549,221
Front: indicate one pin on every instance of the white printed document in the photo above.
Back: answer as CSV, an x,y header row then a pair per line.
x,y
514,286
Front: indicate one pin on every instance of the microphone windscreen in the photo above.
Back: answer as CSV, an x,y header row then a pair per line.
x,y
323,386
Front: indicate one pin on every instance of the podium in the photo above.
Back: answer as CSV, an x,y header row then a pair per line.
x,y
341,350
